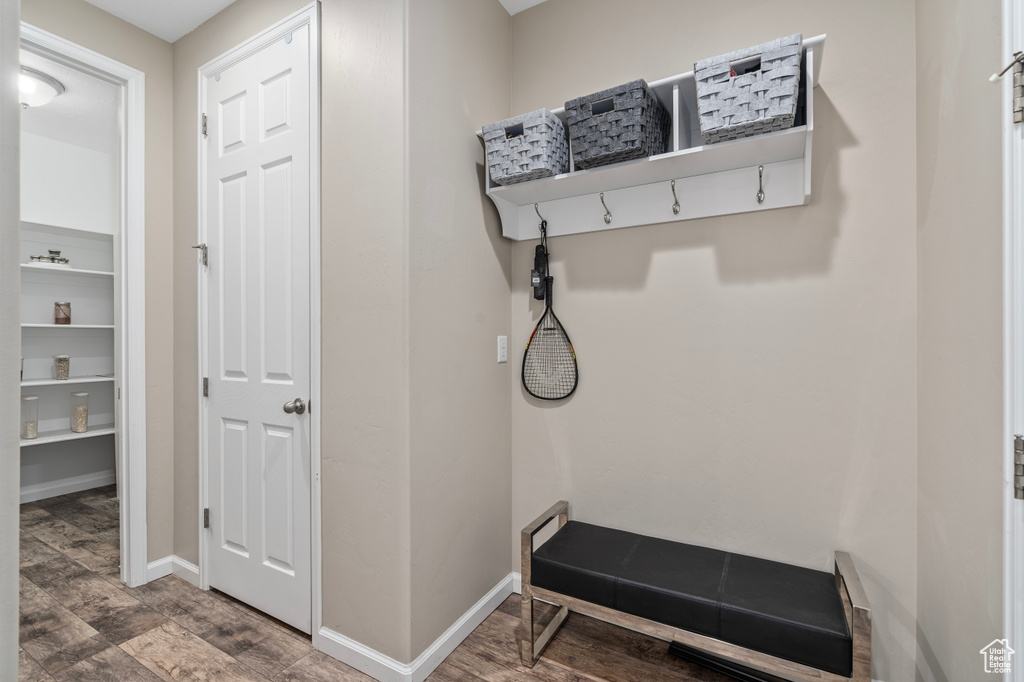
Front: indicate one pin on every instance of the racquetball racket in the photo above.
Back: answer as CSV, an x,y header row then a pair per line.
x,y
549,363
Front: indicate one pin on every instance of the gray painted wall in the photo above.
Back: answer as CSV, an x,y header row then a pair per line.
x,y
960,338
459,303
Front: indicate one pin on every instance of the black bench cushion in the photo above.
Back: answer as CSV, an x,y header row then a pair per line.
x,y
672,583
798,610
786,611
583,561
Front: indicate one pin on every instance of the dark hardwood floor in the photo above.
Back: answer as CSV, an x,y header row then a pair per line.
x,y
79,622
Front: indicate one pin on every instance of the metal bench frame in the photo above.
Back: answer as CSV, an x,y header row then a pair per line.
x,y
855,601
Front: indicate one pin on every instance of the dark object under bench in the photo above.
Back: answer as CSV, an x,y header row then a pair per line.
x,y
792,622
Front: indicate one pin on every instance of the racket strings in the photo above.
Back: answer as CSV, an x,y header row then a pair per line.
x,y
549,367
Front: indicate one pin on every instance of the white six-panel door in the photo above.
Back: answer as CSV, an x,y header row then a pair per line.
x,y
257,224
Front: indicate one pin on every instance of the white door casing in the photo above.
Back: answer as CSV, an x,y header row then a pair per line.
x,y
1013,336
258,220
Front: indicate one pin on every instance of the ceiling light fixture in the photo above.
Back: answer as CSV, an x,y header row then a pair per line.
x,y
37,88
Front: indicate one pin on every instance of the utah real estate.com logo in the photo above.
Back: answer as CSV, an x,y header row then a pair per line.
x,y
997,655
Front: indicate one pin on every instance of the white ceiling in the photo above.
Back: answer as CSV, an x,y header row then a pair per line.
x,y
172,20
512,6
165,19
85,115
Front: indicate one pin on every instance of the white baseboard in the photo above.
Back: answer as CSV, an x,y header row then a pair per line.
x,y
172,564
435,654
159,568
387,669
186,570
363,658
63,486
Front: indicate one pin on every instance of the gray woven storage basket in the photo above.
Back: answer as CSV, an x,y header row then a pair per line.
x,y
760,101
526,147
618,124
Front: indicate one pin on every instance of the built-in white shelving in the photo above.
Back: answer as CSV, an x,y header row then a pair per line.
x,y
86,249
31,383
67,231
61,435
88,283
59,270
67,326
710,180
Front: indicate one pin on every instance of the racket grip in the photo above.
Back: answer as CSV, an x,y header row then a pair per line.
x,y
540,271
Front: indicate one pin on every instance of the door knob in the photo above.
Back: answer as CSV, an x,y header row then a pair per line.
x,y
298,406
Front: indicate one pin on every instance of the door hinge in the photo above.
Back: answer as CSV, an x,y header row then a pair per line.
x,y
1018,467
1018,92
206,387
204,125
206,518
204,253
1017,65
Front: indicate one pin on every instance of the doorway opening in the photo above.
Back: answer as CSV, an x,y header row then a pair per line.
x,y
83,284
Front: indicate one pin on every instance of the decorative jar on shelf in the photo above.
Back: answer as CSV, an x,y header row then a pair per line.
x,y
29,417
62,312
79,412
63,363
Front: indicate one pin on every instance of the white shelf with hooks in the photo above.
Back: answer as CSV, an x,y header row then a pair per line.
x,y
710,180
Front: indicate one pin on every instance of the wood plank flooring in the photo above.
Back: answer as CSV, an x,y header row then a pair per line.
x,y
79,622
